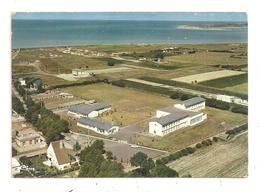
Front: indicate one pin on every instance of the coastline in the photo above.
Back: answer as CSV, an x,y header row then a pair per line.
x,y
130,44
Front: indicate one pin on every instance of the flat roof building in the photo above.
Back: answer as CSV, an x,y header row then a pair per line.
x,y
172,118
89,110
193,104
99,126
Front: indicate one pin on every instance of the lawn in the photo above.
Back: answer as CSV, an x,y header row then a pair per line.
x,y
227,81
206,58
128,105
222,159
217,121
22,69
241,88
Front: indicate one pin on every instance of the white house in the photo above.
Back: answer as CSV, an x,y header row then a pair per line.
x,y
22,81
193,104
89,110
58,155
102,127
16,166
29,139
175,117
80,72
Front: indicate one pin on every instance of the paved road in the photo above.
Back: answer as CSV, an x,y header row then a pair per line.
x,y
120,149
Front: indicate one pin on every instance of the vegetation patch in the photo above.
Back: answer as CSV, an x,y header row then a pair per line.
x,y
226,81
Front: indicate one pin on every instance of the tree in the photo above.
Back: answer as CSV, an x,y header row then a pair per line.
x,y
110,169
25,161
77,146
17,105
138,159
109,155
163,171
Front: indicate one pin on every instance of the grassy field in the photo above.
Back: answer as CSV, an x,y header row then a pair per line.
x,y
217,121
22,69
206,58
227,81
222,159
128,105
201,77
241,88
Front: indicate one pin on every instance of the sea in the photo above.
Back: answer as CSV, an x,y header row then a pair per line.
x,y
49,33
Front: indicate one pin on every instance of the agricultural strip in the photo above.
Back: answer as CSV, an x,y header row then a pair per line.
x,y
226,81
221,159
207,76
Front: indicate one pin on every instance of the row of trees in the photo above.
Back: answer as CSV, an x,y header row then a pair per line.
x,y
49,123
87,82
176,155
17,105
237,130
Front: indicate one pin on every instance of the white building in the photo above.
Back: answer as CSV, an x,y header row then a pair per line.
x,y
58,155
232,99
172,118
89,110
193,104
22,81
16,166
29,139
98,126
80,72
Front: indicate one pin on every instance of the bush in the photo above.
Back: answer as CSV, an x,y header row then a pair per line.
x,y
239,109
198,145
215,139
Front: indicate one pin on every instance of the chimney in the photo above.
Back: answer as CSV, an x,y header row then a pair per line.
x,y
61,144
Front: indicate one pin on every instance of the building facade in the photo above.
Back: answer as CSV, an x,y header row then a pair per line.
x,y
101,127
89,110
172,118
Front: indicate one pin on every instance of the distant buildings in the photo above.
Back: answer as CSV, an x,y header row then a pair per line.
x,y
79,72
102,127
89,110
231,99
175,117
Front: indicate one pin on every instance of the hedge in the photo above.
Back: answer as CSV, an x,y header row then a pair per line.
x,y
193,86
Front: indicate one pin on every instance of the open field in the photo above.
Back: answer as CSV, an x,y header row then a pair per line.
x,y
241,88
227,81
217,121
22,69
207,76
128,105
206,58
222,159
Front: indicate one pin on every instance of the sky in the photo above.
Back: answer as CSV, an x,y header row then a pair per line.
x,y
156,16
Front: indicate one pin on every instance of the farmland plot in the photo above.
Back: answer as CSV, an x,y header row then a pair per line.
x,y
207,76
219,160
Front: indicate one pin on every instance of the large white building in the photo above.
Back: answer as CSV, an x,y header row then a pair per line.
x,y
171,118
89,110
102,127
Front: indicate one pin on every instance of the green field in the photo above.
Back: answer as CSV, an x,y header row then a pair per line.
x,y
128,105
226,81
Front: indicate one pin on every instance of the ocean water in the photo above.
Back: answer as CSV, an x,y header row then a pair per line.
x,y
46,33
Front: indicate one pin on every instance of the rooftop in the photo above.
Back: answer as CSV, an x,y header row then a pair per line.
x,y
167,119
60,152
102,125
85,109
193,101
